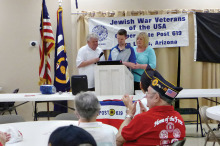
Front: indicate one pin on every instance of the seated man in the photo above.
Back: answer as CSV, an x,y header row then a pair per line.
x,y
71,136
161,124
123,51
87,108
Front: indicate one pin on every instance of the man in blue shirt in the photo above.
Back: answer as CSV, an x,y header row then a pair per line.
x,y
123,51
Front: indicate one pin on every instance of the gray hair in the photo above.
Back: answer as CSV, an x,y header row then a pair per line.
x,y
87,105
169,101
92,35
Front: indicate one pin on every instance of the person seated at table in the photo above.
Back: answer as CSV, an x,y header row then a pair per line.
x,y
123,51
71,136
4,137
145,56
87,109
160,125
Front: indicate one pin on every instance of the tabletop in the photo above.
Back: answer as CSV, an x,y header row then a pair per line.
x,y
36,133
185,93
19,97
213,112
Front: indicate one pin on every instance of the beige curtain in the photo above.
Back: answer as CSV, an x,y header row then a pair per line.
x,y
193,75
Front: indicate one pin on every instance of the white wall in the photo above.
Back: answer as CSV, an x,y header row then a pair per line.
x,y
19,24
109,5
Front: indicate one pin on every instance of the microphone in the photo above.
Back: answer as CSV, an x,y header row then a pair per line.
x,y
100,55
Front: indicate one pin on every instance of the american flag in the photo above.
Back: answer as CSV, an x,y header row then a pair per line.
x,y
47,43
171,93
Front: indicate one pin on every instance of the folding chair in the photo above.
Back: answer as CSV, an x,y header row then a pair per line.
x,y
66,116
212,136
192,111
8,106
179,143
11,119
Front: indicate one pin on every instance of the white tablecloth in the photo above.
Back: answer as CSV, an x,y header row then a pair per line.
x,y
185,93
37,133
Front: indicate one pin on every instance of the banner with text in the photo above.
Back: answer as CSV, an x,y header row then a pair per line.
x,y
170,30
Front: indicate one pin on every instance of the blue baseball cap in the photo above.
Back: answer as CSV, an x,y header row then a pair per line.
x,y
70,136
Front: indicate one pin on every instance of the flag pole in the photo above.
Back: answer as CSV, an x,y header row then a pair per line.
x,y
45,55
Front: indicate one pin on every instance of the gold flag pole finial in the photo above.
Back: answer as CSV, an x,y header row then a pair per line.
x,y
60,3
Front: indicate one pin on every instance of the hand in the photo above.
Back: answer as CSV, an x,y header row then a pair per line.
x,y
140,66
8,136
136,66
129,64
132,65
132,111
128,101
3,138
96,60
142,108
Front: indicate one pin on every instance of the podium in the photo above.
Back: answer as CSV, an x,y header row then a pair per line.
x,y
113,80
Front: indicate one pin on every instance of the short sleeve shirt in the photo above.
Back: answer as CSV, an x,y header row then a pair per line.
x,y
103,136
161,125
86,53
126,54
146,57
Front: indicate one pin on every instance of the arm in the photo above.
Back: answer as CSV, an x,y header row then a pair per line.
x,y
132,58
151,62
119,139
88,62
129,64
140,66
131,111
81,60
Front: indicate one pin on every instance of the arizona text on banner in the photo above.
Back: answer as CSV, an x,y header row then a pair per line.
x,y
170,30
47,43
